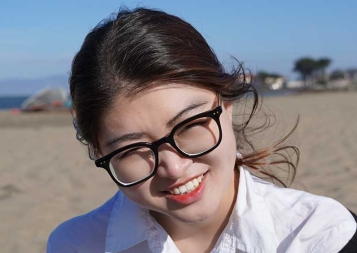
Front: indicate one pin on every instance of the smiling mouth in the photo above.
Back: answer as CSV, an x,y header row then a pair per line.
x,y
188,187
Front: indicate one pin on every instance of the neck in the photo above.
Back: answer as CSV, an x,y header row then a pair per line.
x,y
206,233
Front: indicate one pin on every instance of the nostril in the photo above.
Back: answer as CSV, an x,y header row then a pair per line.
x,y
172,165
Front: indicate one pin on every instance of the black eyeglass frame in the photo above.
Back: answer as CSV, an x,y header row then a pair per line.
x,y
104,161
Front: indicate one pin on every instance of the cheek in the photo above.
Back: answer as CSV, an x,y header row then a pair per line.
x,y
137,194
146,194
224,156
228,143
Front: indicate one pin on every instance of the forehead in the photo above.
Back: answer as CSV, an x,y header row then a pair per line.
x,y
152,107
162,97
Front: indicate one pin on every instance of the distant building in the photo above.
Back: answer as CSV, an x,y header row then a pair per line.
x,y
275,83
295,84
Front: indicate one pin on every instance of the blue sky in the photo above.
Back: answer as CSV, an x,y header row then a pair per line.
x,y
39,38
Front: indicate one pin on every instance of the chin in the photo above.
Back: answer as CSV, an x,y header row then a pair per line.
x,y
195,213
194,218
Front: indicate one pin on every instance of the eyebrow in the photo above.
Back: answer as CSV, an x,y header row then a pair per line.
x,y
170,123
125,137
173,120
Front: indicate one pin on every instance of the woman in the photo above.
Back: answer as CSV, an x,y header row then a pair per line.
x,y
154,106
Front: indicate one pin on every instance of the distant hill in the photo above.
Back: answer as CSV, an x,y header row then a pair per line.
x,y
29,86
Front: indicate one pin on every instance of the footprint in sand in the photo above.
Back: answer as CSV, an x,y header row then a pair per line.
x,y
7,191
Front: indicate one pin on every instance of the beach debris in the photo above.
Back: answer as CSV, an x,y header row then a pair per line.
x,y
7,191
47,99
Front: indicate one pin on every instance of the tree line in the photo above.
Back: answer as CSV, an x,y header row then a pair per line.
x,y
314,71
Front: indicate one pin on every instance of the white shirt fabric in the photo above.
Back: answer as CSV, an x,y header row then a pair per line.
x,y
266,218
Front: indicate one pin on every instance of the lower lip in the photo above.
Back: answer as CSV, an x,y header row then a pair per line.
x,y
190,197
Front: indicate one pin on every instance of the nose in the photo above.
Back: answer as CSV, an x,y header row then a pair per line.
x,y
171,163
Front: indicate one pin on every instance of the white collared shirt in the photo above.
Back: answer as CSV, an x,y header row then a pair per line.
x,y
266,218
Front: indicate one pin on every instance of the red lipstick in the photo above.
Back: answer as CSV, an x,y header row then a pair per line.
x,y
191,197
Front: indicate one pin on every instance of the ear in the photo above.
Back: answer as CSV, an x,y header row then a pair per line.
x,y
97,154
94,153
228,107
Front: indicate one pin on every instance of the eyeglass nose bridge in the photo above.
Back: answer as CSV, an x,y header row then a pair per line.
x,y
167,139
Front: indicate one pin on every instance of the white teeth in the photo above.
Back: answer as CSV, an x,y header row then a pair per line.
x,y
195,182
188,187
182,188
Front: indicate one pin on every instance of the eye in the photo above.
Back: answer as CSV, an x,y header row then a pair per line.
x,y
191,125
128,152
143,152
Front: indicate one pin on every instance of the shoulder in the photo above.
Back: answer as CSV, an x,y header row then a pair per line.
x,y
303,220
351,246
85,233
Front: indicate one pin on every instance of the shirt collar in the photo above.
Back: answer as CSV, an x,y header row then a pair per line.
x,y
250,227
125,227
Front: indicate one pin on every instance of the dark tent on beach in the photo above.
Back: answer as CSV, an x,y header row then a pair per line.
x,y
46,99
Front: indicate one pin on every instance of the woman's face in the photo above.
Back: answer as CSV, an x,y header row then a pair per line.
x,y
151,115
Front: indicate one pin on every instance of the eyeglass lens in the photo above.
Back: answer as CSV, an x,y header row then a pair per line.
x,y
193,138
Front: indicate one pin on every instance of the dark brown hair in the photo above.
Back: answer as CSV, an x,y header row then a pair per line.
x,y
137,49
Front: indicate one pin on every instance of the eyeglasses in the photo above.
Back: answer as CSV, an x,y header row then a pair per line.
x,y
193,137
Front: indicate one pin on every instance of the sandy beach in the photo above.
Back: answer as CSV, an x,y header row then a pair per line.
x,y
47,177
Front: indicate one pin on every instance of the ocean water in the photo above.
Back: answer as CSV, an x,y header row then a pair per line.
x,y
11,102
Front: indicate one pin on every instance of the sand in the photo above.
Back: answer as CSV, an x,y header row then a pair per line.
x,y
46,176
